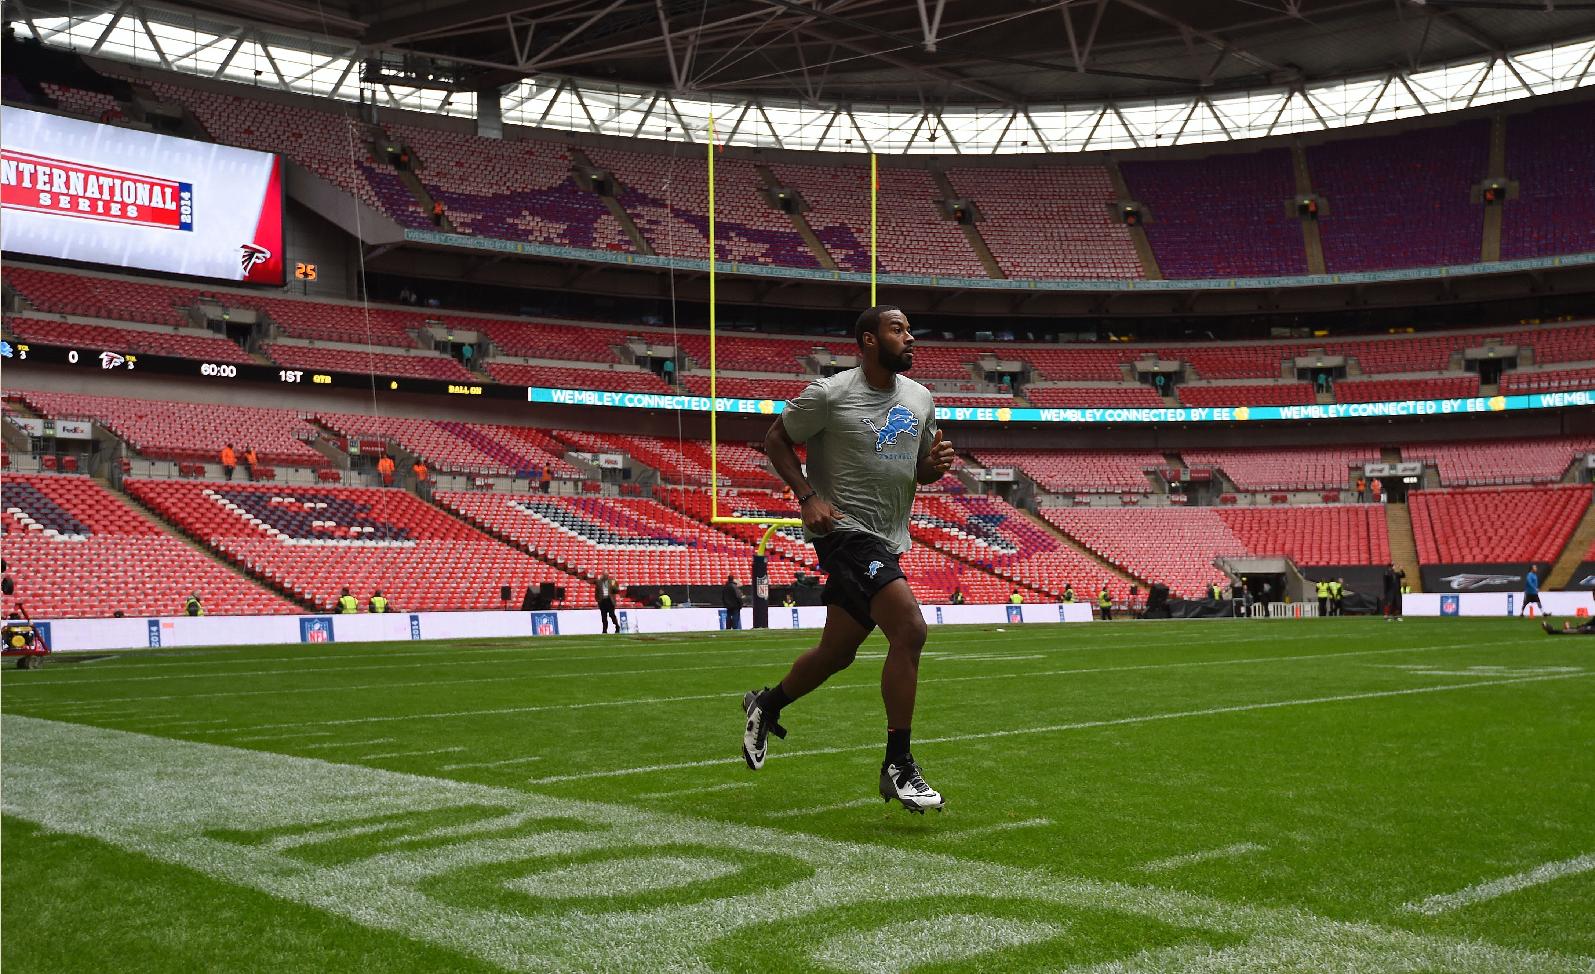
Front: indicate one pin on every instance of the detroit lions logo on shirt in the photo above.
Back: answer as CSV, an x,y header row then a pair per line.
x,y
874,567
899,420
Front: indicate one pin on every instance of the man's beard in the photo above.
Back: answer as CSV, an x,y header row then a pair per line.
x,y
896,362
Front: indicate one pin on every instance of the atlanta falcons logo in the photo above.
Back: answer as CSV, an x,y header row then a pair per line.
x,y
252,254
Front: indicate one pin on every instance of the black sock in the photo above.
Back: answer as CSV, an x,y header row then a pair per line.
x,y
773,699
896,744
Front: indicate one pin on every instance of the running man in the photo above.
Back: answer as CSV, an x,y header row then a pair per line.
x,y
872,436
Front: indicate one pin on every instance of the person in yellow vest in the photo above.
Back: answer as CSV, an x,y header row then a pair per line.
x,y
1322,586
379,602
665,601
1337,597
192,606
1105,604
348,604
1068,593
1015,598
1217,592
788,601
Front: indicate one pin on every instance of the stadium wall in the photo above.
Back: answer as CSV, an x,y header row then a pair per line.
x,y
87,635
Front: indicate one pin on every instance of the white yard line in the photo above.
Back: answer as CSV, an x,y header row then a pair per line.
x,y
1175,862
818,809
1081,725
1029,823
286,735
333,744
492,764
410,754
700,790
1482,892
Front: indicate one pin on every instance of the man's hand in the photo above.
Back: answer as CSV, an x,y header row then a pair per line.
x,y
938,461
819,516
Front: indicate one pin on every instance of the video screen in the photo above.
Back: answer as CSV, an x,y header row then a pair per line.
x,y
77,190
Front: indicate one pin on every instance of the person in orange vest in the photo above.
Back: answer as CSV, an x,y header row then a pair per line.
x,y
437,212
420,472
385,467
250,459
229,461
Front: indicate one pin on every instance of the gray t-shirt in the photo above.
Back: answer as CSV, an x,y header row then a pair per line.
x,y
864,448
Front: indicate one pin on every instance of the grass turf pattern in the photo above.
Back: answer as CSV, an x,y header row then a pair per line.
x,y
1204,796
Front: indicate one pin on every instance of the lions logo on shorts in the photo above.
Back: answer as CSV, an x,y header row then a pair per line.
x,y
874,567
899,419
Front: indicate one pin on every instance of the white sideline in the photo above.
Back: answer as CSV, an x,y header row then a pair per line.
x,y
1054,728
640,701
1495,888
1175,862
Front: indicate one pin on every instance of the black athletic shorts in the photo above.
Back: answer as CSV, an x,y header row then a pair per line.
x,y
859,565
1532,597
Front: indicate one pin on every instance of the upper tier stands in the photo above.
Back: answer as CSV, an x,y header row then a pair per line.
x,y
667,197
680,461
537,339
1384,390
1402,200
1549,380
922,239
1221,216
1511,524
1299,468
1500,461
324,321
1143,397
742,387
1273,394
760,353
77,550
636,540
451,446
190,431
120,298
1076,239
94,105
183,342
510,189
1548,152
619,378
315,541
1079,471
428,366
332,144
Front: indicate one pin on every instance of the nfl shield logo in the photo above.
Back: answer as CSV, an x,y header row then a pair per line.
x,y
625,621
545,624
1450,605
1016,613
938,615
315,629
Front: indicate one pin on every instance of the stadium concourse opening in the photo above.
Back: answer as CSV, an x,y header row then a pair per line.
x,y
1223,396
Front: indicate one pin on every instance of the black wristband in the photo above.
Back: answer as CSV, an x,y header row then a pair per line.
x,y
805,498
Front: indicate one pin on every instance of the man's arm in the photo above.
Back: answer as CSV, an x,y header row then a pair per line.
x,y
936,461
818,514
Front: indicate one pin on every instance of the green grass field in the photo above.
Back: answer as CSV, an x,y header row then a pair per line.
x,y
1317,796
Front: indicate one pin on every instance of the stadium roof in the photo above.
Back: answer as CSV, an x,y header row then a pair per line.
x,y
886,75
